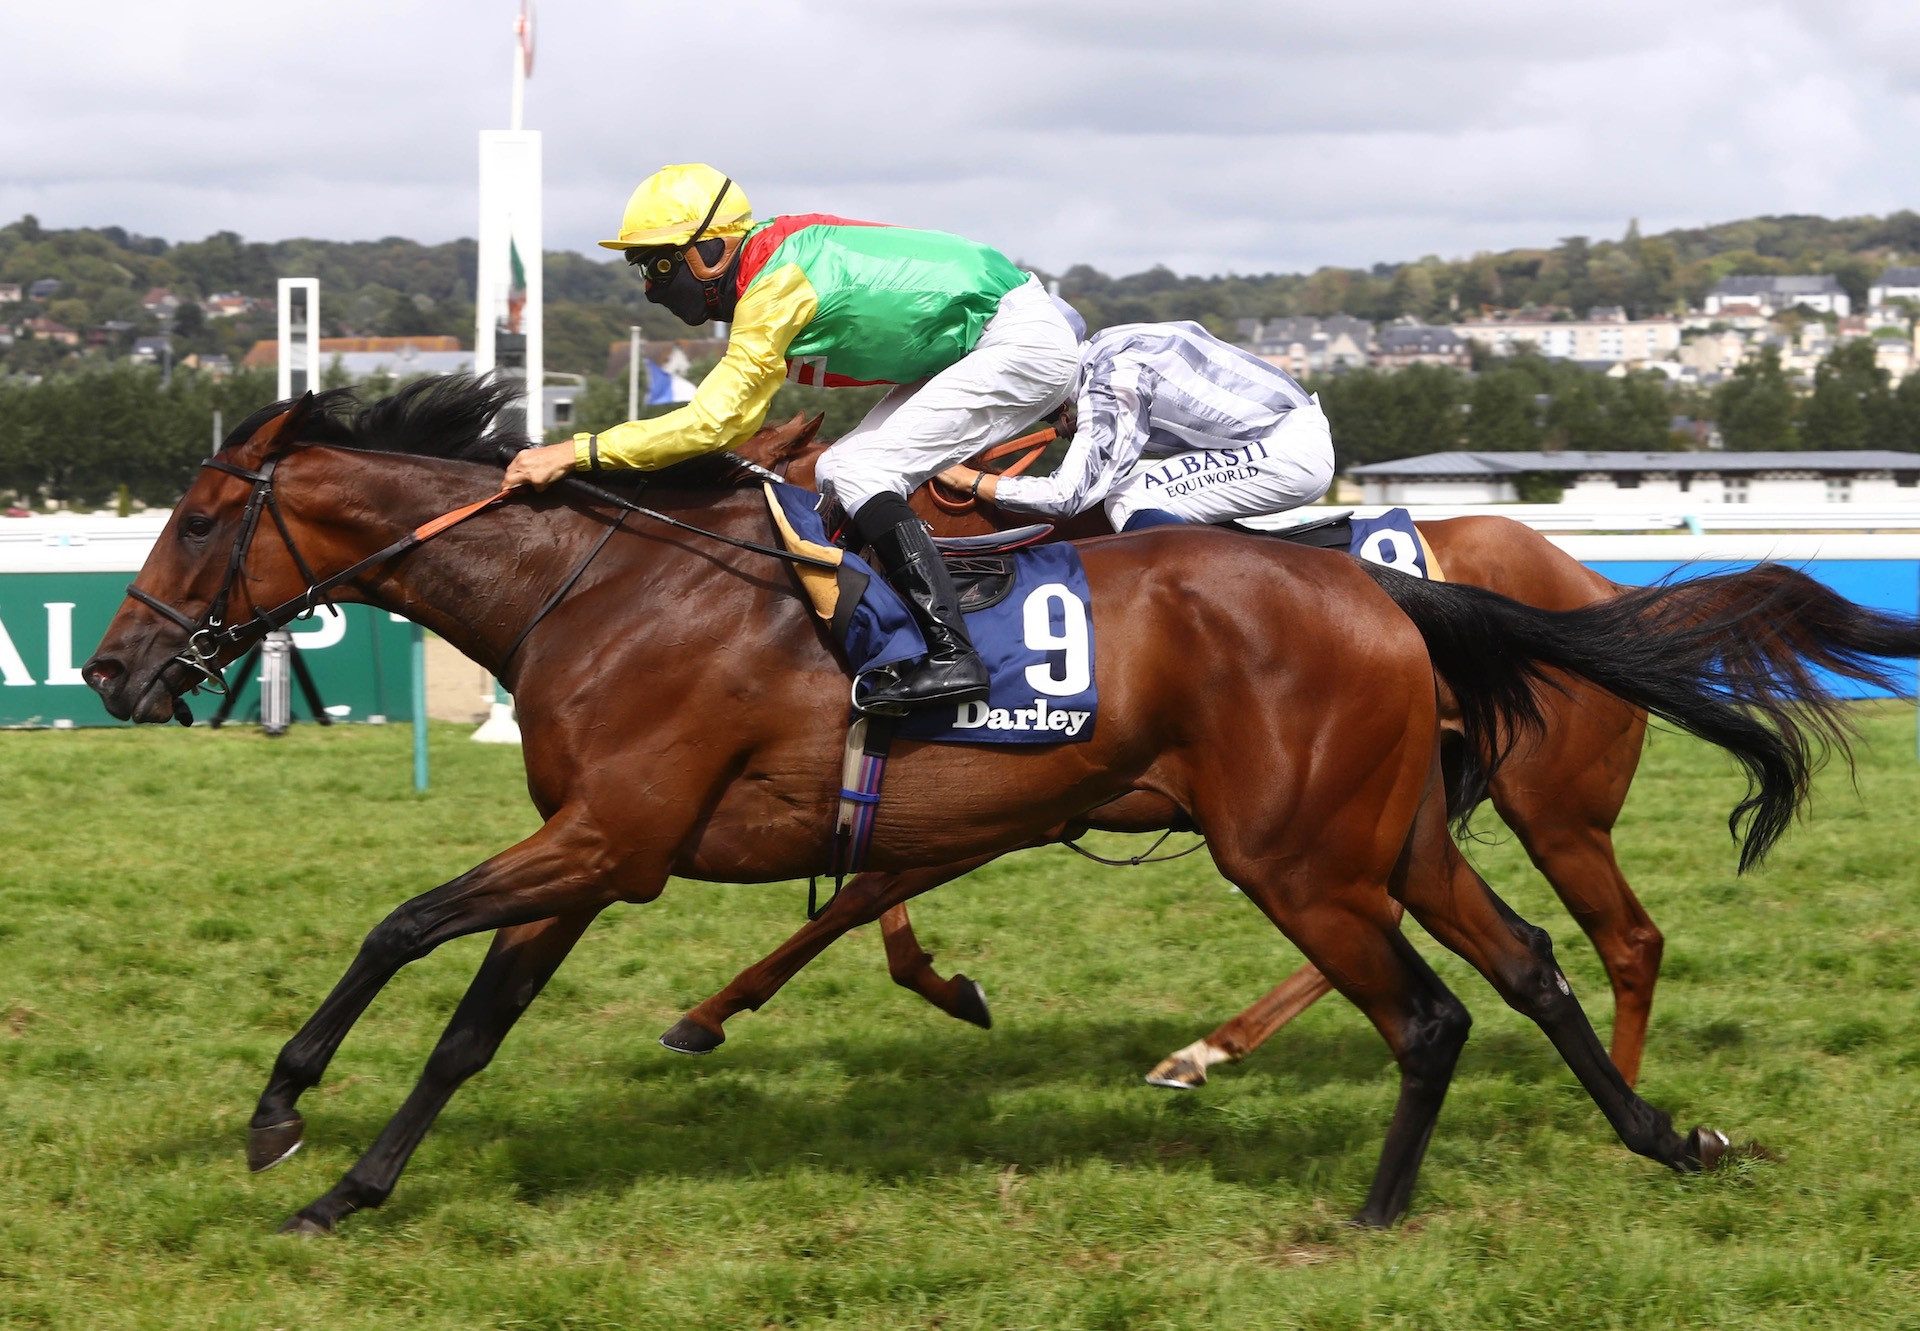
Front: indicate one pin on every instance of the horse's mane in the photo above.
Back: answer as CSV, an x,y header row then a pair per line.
x,y
464,417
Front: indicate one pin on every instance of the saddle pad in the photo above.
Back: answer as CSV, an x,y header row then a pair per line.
x,y
1037,642
1391,541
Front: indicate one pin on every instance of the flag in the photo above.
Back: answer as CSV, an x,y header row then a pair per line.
x,y
516,286
523,36
664,386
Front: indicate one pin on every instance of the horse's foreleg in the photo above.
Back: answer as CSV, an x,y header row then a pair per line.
x,y
861,901
519,964
911,967
552,872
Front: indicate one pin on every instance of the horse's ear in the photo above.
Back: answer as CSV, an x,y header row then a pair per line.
x,y
281,431
293,422
809,430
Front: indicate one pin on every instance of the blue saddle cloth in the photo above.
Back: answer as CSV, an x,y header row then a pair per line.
x,y
1390,540
1036,641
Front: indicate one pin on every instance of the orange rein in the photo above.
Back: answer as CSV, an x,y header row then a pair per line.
x,y
1030,446
434,526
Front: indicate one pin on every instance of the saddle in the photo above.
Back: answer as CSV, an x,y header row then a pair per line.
x,y
981,568
1333,532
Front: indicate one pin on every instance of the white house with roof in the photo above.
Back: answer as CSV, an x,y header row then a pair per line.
x,y
1637,481
1895,284
1773,295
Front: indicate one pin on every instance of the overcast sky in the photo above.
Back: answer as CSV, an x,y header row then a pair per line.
x,y
1244,137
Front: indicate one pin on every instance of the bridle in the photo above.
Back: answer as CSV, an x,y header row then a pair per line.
x,y
210,635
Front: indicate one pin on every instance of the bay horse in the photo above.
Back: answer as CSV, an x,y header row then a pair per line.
x,y
682,713
1560,790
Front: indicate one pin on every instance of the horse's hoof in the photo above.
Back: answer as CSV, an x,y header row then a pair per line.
x,y
690,1037
1708,1147
305,1226
1174,1075
970,1003
267,1147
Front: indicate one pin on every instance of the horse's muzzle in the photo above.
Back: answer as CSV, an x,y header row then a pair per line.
x,y
127,698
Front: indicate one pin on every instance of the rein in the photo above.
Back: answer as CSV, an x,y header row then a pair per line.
x,y
1029,446
209,636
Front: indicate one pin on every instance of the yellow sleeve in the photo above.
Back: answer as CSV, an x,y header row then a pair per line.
x,y
733,399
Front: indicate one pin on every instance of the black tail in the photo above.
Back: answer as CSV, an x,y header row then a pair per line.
x,y
1733,658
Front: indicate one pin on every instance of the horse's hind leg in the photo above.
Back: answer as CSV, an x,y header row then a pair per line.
x,y
1186,1069
520,962
1562,801
1352,935
1455,904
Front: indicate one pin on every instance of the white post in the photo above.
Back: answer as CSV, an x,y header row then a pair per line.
x,y
509,220
633,372
306,333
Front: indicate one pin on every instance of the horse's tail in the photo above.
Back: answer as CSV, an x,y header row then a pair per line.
x,y
1733,658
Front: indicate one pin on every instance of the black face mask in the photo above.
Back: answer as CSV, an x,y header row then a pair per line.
x,y
689,299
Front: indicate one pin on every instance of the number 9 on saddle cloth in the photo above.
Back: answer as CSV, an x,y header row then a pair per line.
x,y
1027,611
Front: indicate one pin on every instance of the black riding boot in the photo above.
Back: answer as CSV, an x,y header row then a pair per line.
x,y
951,672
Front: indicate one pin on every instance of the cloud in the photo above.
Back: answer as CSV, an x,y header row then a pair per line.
x,y
1240,136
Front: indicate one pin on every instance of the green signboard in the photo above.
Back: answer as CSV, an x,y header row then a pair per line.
x,y
51,622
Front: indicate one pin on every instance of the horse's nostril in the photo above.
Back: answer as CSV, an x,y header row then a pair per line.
x,y
101,671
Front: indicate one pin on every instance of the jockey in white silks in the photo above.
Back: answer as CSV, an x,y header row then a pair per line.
x,y
1174,425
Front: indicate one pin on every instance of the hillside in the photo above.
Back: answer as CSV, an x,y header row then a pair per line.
x,y
397,287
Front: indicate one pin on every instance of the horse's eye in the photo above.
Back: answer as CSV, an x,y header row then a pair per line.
x,y
197,526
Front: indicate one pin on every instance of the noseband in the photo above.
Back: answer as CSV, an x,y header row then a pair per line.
x,y
210,635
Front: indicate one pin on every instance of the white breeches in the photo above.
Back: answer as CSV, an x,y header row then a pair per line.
x,y
1290,467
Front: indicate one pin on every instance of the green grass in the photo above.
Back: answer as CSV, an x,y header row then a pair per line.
x,y
176,903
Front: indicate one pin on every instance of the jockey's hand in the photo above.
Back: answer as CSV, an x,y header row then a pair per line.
x,y
539,467
959,477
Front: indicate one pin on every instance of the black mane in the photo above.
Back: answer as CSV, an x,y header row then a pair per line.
x,y
464,417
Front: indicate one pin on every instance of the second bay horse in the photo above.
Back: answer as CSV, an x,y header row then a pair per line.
x,y
1561,789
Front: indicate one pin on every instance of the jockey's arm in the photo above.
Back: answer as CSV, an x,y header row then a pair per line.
x,y
733,399
1112,430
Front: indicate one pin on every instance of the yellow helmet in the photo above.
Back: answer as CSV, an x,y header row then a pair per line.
x,y
667,207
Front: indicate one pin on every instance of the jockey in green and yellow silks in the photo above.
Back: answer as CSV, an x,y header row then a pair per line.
x,y
975,347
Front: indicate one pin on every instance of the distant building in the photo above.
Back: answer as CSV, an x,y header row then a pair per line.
x,y
1773,295
1713,355
266,352
160,303
49,331
151,350
1895,356
1303,346
1609,340
1642,481
395,363
45,289
10,293
227,304
1401,344
1895,284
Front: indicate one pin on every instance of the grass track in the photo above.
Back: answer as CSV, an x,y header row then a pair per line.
x,y
177,902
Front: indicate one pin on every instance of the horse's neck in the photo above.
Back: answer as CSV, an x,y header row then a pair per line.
x,y
480,584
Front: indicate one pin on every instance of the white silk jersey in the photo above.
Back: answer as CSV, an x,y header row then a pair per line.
x,y
1151,391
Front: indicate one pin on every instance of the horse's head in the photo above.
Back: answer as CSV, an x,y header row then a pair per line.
x,y
222,556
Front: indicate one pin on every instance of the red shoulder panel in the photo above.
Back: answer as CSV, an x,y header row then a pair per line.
x,y
761,245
